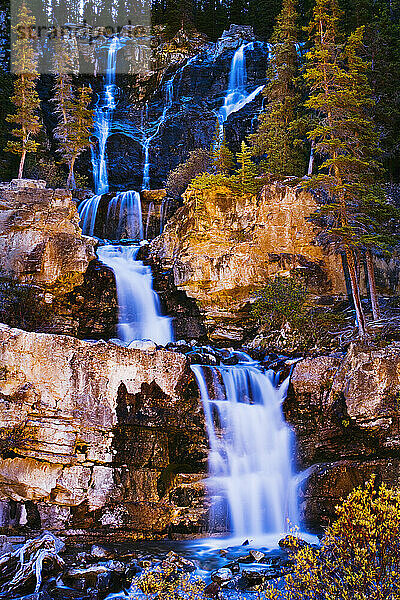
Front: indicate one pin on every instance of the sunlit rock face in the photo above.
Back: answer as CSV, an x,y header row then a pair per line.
x,y
113,441
345,411
40,238
220,255
50,280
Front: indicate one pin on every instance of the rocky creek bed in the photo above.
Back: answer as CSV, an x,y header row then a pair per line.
x,y
45,568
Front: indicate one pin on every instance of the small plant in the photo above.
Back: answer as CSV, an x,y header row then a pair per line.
x,y
359,557
165,582
282,300
14,438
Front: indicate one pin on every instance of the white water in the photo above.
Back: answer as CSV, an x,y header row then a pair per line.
x,y
139,306
103,117
125,210
251,484
237,96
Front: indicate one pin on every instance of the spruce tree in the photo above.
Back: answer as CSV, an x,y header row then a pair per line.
x,y
344,134
25,97
244,180
62,67
75,134
223,159
280,125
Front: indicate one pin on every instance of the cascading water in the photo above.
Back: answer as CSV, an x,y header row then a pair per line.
x,y
139,307
125,210
103,117
251,483
237,96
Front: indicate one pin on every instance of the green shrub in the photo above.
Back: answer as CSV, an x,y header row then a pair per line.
x,y
359,557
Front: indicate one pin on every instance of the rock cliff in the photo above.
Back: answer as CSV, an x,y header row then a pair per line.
x,y
49,278
223,255
111,438
346,414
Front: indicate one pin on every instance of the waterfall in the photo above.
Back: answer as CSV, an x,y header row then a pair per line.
x,y
103,117
236,96
139,306
251,483
125,209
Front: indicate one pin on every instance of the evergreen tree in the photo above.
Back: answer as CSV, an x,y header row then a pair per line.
x,y
344,134
25,98
223,159
279,125
244,180
74,135
62,67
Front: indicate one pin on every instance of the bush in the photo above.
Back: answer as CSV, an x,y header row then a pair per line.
x,y
14,438
359,557
165,582
291,322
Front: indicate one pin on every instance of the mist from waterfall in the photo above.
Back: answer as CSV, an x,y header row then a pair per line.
x,y
139,306
251,483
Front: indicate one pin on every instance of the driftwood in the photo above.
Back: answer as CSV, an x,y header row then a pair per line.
x,y
23,568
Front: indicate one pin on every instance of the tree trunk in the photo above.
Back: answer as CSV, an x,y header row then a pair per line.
x,y
356,293
71,177
21,164
372,286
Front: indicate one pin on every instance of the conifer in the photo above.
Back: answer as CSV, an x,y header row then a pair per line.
x,y
344,134
280,125
75,134
223,159
244,180
25,97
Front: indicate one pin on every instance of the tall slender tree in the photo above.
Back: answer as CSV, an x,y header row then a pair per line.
x,y
74,135
279,125
25,97
344,134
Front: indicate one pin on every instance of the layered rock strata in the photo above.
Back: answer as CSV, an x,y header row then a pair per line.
x,y
95,437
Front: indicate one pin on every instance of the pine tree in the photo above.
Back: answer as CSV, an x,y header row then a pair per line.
x,y
62,67
244,180
25,98
223,159
344,134
75,134
280,125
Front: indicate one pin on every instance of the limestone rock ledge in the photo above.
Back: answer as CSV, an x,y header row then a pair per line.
x,y
40,238
221,248
345,411
115,438
49,278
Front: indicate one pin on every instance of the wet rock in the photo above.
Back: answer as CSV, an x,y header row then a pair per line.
x,y
257,555
84,577
181,563
144,345
221,576
253,577
212,590
99,552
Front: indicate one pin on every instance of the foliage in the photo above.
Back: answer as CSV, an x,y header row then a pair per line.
x,y
282,299
14,438
244,180
289,320
165,582
199,161
74,135
344,134
25,98
208,181
359,557
222,158
280,125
